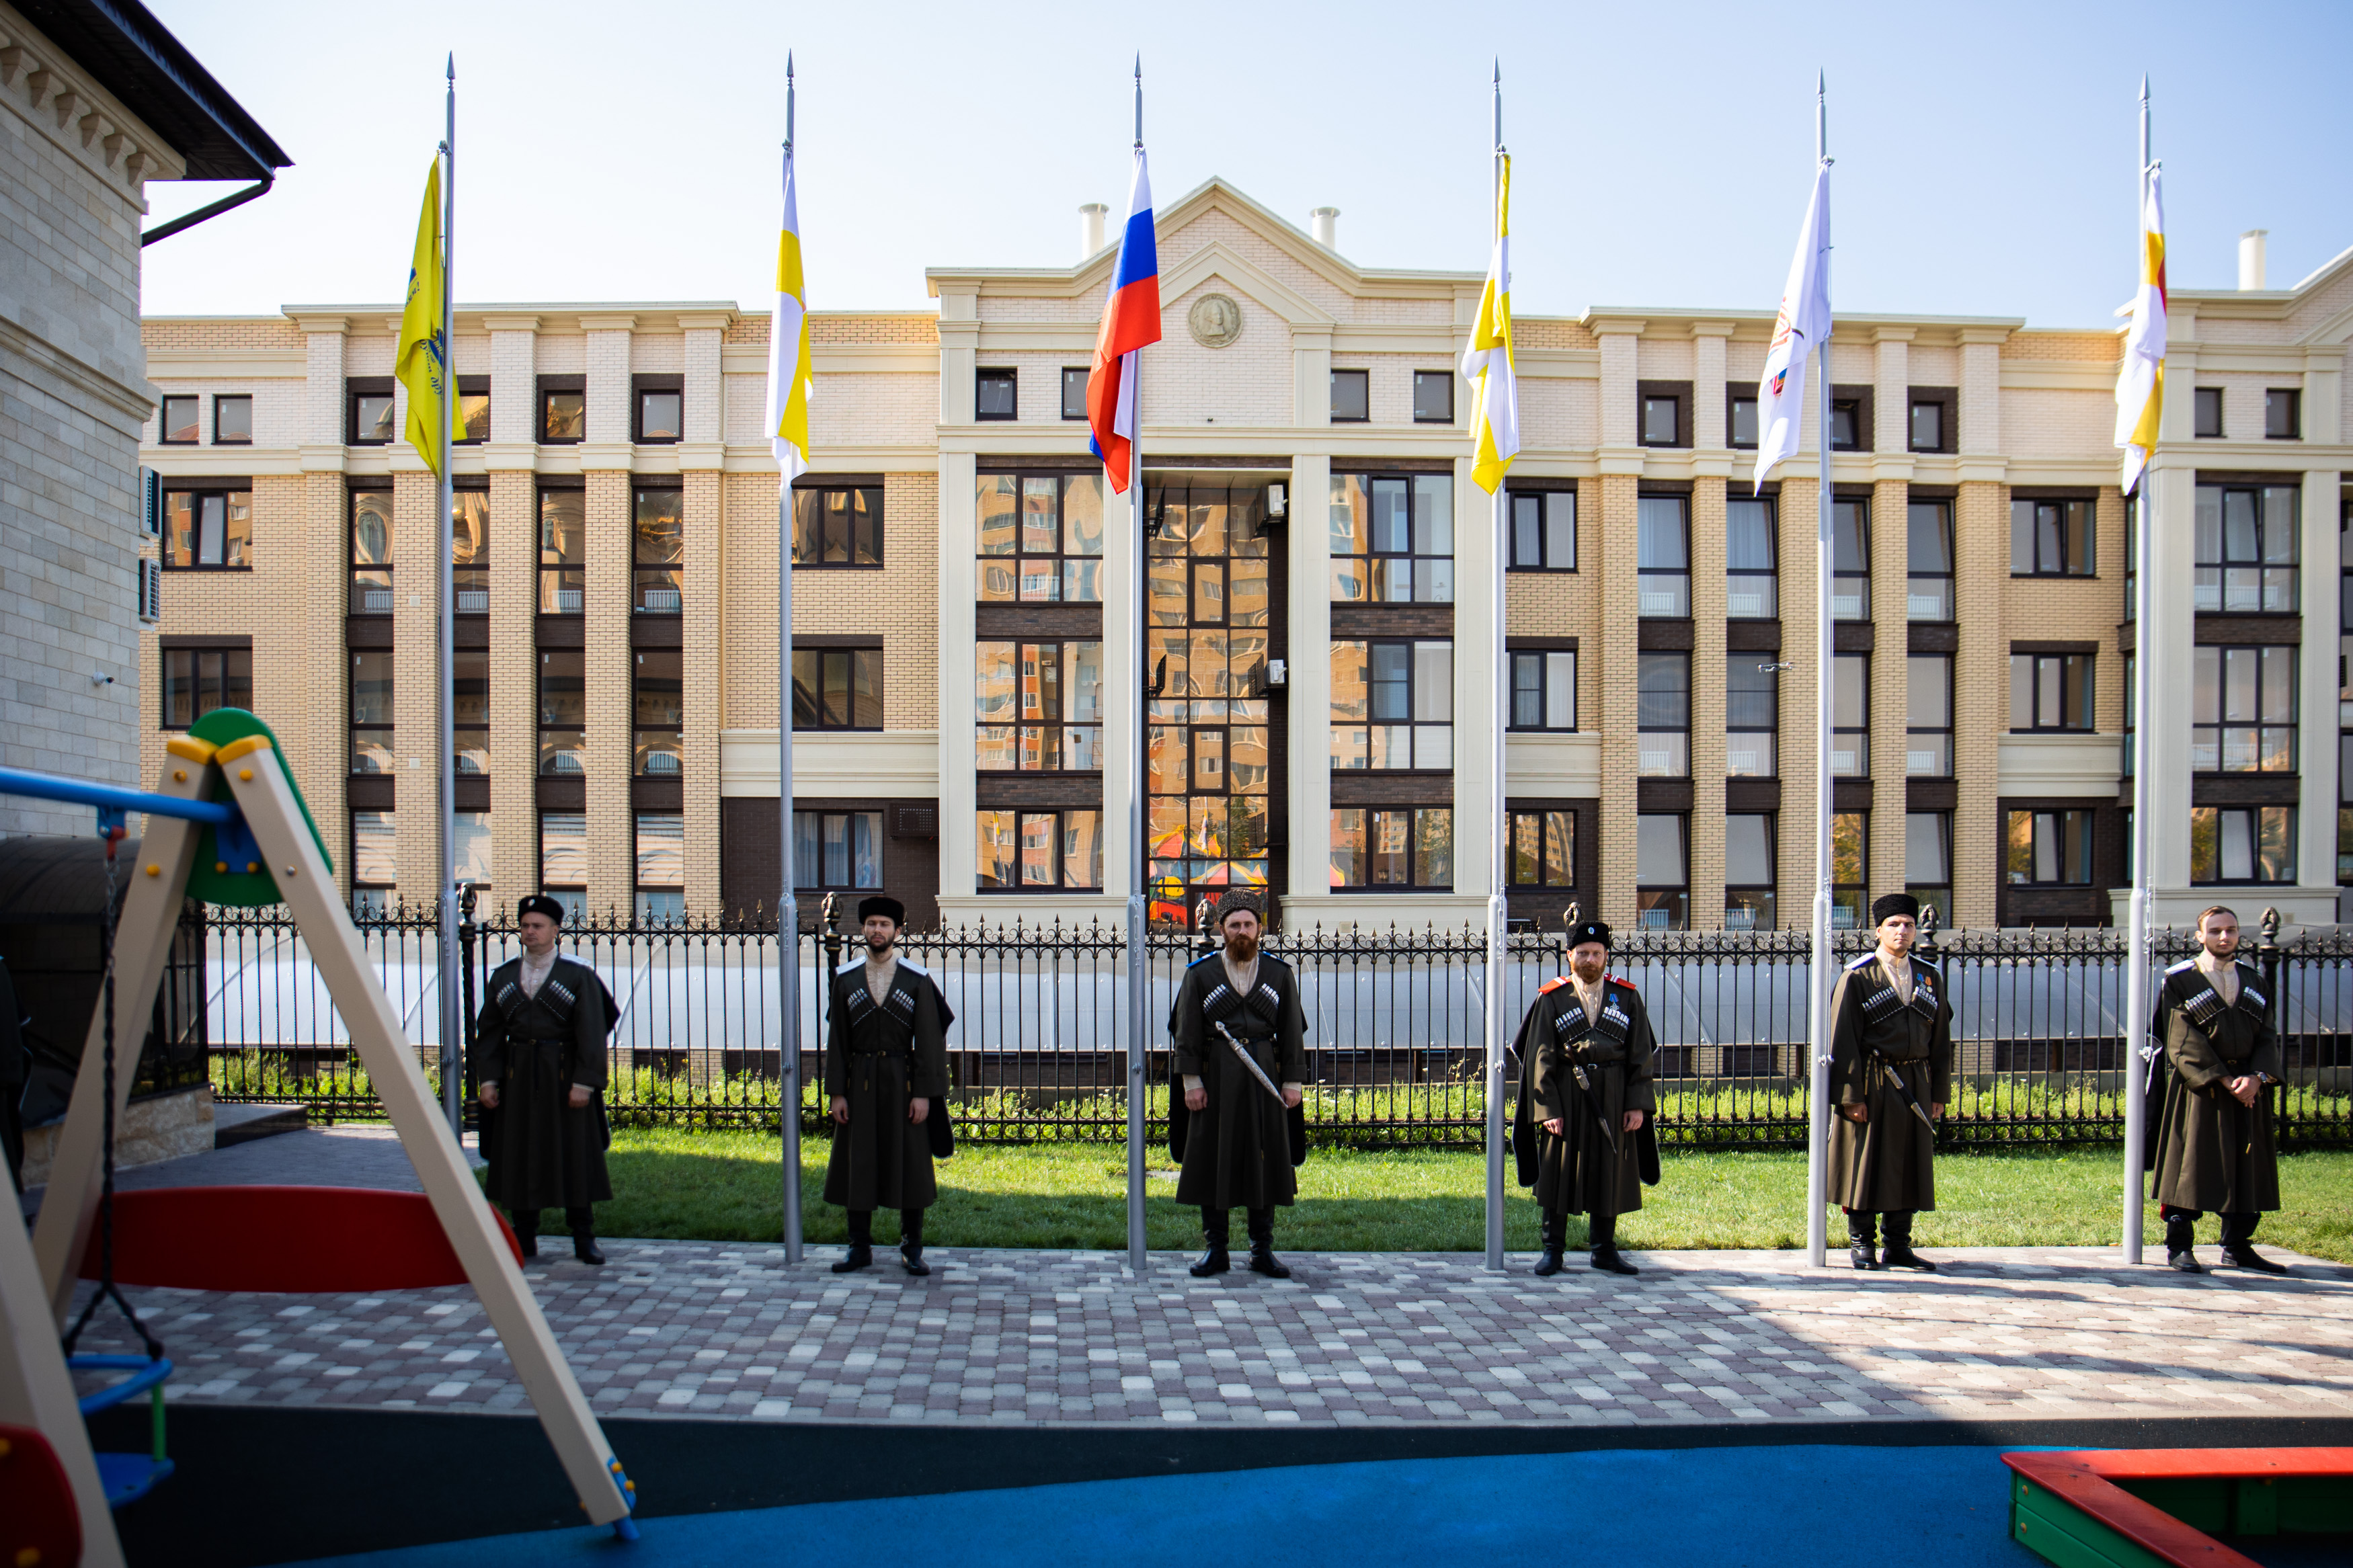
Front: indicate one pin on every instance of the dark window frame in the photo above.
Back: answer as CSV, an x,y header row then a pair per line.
x,y
2288,816
1771,503
1767,889
463,729
1541,658
1674,896
1859,399
2291,399
1064,743
1860,573
1413,686
655,386
220,399
1683,573
1062,577
2226,562
472,574
2033,819
2089,674
1539,823
823,657
358,386
1944,731
1062,883
1374,555
802,881
1937,894
1948,593
642,755
1647,721
1737,723
355,604
1544,498
543,726
643,571
164,422
2286,656
1008,376
539,844
551,386
474,387
1734,396
354,729
822,491
1946,401
672,897
2063,538
2203,399
1850,895
1860,731
542,568
1433,377
197,489
1364,378
362,905
1679,393
233,652
1414,882
1085,373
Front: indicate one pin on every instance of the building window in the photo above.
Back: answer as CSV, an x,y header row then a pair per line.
x,y
1748,845
233,421
1662,556
563,413
208,529
2246,537
1544,531
2242,711
373,740
839,687
659,700
470,551
1752,716
1928,860
1661,870
659,415
562,552
1039,708
1041,538
1927,431
2210,412
1740,418
838,527
1074,390
1026,851
2243,844
995,395
1663,419
1752,588
374,863
662,867
1928,716
1849,868
177,424
1928,590
837,850
2283,414
1392,847
563,856
1851,715
563,713
2050,847
2053,692
1433,397
474,409
469,844
1392,705
1351,396
1544,688
1850,560
1392,539
370,409
2131,720
1846,424
658,583
1663,713
198,679
469,710
1544,849
371,553
2051,537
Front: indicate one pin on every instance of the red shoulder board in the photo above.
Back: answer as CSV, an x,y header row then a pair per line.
x,y
1555,984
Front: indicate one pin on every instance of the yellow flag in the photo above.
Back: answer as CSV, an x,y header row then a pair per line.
x,y
422,360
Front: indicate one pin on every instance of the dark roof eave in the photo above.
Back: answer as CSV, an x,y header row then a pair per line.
x,y
131,54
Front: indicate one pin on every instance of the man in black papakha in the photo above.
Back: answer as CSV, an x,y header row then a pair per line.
x,y
1891,1078
886,1078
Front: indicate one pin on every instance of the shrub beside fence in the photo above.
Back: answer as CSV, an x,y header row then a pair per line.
x,y
1396,1026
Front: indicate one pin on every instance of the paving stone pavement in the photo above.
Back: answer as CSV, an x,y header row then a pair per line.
x,y
709,1329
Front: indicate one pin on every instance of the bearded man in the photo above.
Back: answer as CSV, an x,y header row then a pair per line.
x,y
886,1073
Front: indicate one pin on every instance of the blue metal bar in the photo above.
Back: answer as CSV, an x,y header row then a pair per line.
x,y
82,791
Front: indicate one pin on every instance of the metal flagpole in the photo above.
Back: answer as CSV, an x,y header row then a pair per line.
x,y
788,922
1139,1001
1498,825
453,1066
1817,1000
2137,978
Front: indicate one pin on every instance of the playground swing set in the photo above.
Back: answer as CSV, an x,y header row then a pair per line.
x,y
229,826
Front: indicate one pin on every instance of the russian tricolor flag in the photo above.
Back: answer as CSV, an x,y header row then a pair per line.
x,y
1131,319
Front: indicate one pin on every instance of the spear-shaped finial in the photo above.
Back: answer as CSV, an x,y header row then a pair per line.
x,y
789,100
452,73
1139,99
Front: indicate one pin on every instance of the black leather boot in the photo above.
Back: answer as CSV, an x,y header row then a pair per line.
x,y
2238,1246
1603,1230
2181,1237
1862,1239
1556,1244
583,1222
861,1243
1216,1232
526,1229
1262,1259
1898,1253
910,1242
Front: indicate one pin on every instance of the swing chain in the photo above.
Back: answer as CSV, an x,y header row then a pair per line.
x,y
106,1285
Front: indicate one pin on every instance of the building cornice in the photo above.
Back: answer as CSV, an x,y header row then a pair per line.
x,y
43,86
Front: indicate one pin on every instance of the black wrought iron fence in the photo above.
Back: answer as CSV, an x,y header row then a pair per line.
x,y
1396,1022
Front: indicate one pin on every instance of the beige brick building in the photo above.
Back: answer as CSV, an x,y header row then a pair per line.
x,y
1317,662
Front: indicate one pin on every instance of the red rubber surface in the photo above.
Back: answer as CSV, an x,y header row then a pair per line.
x,y
38,1515
282,1239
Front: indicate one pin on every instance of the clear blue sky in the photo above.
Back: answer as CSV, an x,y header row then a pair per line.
x,y
1661,153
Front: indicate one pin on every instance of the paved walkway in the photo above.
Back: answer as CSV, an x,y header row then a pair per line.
x,y
713,1330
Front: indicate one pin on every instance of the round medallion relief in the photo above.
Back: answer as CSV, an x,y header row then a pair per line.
x,y
1214,320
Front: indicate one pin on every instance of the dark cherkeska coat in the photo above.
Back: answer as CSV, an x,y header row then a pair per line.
x,y
877,1057
2213,1152
1594,1167
1888,1161
1237,1152
544,1152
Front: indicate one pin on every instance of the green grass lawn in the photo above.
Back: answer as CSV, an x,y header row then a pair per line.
x,y
724,1186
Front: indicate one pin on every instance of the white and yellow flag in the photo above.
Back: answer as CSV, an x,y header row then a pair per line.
x,y
2140,382
1487,363
789,347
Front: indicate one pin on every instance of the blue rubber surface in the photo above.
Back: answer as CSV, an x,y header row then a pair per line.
x,y
1795,1507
